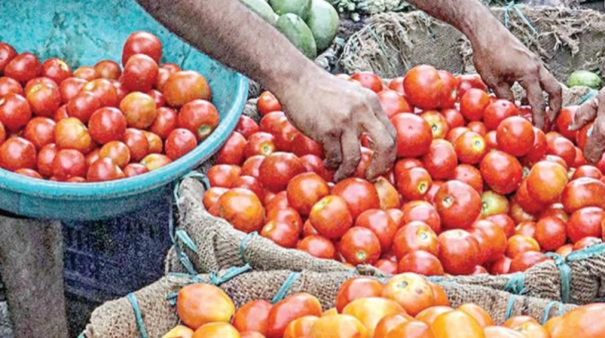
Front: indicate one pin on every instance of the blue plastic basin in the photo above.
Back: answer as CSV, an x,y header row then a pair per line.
x,y
82,33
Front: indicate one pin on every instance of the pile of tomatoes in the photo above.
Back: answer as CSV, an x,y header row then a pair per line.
x,y
100,123
406,306
476,187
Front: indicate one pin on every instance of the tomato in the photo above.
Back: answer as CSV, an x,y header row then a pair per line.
x,y
260,143
107,69
337,326
243,209
586,242
458,251
423,212
277,124
140,73
139,109
501,171
515,135
414,183
104,90
158,97
393,103
477,127
498,111
137,143
562,147
454,133
212,195
155,142
179,143
414,135
278,201
165,122
411,291
29,173
44,100
518,244
587,171
68,163
36,82
502,332
453,118
247,126
472,104
381,224
425,88
441,160
305,190
9,85
282,233
371,310
252,316
526,202
368,80
546,181
117,151
252,184
331,217
23,67
15,112
503,221
491,140
301,327
470,147
495,236
278,169
526,229
108,124
200,117
482,317
40,131
550,233
267,103
303,145
458,204
420,262
585,222
251,166
70,133
429,315
7,53
86,73
414,236
104,169
500,266
456,324
526,260
199,304
468,81
583,192
564,120
450,90
585,321
70,87
317,246
357,288
232,151
155,161
135,169
17,153
359,194
185,86
470,175
387,194
437,122
396,84
45,159
386,266
389,323
292,307
359,246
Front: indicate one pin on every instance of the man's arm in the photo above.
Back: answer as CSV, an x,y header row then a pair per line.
x,y
330,110
499,57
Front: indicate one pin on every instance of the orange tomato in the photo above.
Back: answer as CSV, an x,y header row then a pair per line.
x,y
456,324
300,327
338,326
370,311
518,320
478,313
440,295
216,330
411,329
251,334
199,304
355,288
388,323
179,331
290,308
429,315
533,330
501,332
586,321
252,316
411,291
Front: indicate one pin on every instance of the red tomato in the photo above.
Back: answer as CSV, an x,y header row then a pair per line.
x,y
414,135
44,100
70,133
165,122
583,192
357,288
538,148
359,246
396,84
454,133
223,175
69,163
359,194
587,171
17,153
381,224
252,184
477,127
242,209
142,43
140,73
564,120
267,103
585,222
107,69
518,244
497,112
515,135
454,118
505,222
470,175
46,157
468,81
277,124
550,233
546,181
106,125
303,145
586,242
155,161
414,183
117,151
318,246
40,131
278,169
35,82
415,236
7,53
246,126
83,105
70,87
139,109
472,104
331,217
458,205
441,160
14,112
424,87
496,237
562,147
23,67
450,90
185,86
315,164
501,171
200,117
304,190
421,211
470,147
526,260
287,310
29,173
260,143
393,103
135,169
368,80
281,233
420,262
86,73
104,169
9,85
232,151
437,122
179,143
458,252
251,166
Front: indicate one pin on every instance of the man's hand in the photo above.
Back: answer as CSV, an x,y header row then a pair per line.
x,y
594,109
502,60
335,112
499,57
